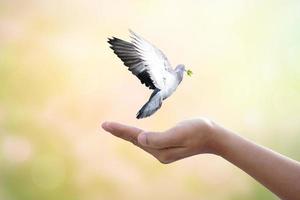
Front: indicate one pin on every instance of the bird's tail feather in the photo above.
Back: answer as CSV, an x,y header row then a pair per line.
x,y
153,104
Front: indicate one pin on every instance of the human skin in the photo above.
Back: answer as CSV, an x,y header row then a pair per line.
x,y
278,173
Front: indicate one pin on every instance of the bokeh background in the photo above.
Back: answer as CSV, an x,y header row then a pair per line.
x,y
59,80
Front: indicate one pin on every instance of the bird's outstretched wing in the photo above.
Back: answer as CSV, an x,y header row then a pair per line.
x,y
143,59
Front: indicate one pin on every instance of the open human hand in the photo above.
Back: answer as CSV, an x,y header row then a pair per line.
x,y
187,138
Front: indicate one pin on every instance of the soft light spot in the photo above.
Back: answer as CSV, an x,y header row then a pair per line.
x,y
253,119
16,149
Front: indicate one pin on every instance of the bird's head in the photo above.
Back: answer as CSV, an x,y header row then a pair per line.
x,y
181,68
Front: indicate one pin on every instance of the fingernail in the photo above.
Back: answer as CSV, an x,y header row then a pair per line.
x,y
142,139
106,126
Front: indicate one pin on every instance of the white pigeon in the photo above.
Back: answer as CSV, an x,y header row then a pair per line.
x,y
152,67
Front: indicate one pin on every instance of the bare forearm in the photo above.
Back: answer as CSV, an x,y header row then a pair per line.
x,y
278,173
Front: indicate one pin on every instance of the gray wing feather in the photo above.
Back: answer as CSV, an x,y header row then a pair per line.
x,y
144,60
129,54
138,40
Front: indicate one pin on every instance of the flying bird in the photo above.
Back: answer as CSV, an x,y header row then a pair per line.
x,y
151,67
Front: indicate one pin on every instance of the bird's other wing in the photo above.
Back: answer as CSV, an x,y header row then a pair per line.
x,y
157,64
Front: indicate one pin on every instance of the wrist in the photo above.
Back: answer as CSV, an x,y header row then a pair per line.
x,y
219,140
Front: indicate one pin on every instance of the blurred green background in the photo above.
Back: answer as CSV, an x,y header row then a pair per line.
x,y
59,81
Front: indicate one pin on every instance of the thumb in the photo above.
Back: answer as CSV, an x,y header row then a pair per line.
x,y
158,140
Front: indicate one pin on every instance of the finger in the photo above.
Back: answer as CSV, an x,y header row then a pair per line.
x,y
161,140
128,133
125,132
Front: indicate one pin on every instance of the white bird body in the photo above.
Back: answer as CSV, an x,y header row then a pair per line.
x,y
152,67
171,84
